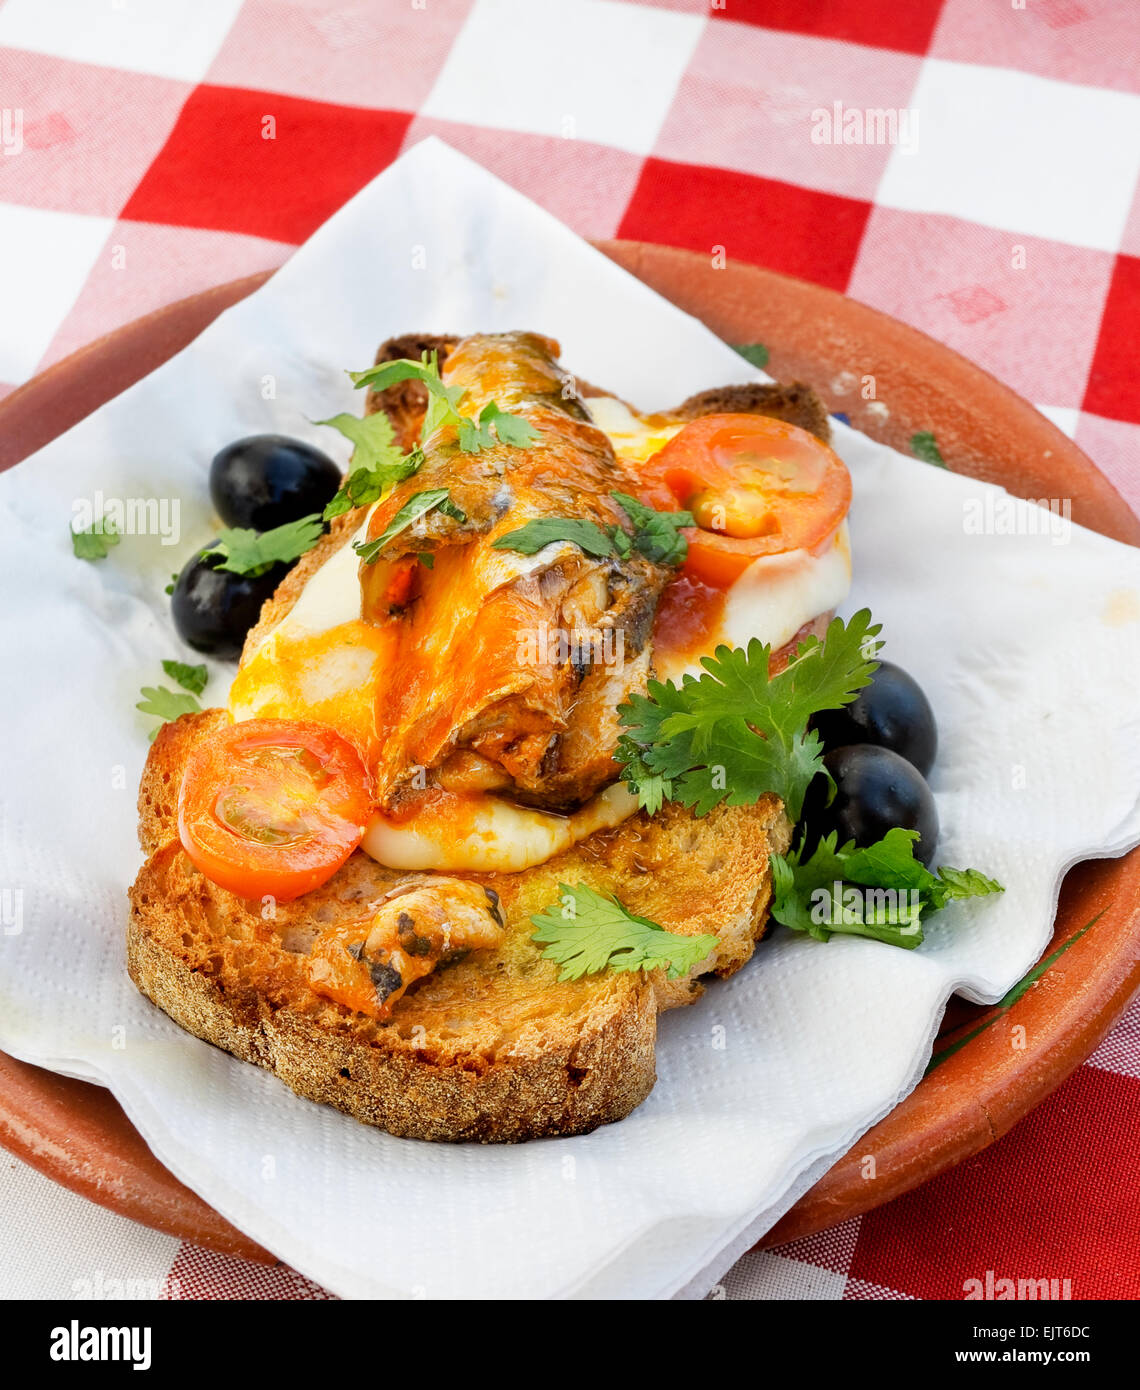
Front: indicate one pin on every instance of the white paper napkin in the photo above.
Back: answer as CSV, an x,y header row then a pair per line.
x,y
1028,649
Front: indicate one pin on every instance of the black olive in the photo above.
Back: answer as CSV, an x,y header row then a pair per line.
x,y
214,609
265,480
876,790
892,712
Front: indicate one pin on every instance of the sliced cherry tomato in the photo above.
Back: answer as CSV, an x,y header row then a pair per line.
x,y
755,486
273,806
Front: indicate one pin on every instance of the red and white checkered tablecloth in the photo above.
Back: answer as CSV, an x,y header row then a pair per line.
x,y
991,198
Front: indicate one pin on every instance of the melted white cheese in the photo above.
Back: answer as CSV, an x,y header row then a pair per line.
x,y
331,596
774,597
492,836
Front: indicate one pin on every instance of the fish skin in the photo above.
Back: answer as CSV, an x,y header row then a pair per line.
x,y
462,684
569,471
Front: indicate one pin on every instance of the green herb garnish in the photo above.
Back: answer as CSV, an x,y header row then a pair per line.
x,y
378,461
587,933
735,733
756,353
655,534
443,406
192,678
95,543
925,447
410,512
882,892
535,535
252,553
166,704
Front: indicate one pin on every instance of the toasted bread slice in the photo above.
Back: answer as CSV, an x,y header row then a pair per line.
x,y
493,1048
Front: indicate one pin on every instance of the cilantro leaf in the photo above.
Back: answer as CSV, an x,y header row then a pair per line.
x,y
411,511
379,462
882,892
254,552
736,733
442,400
925,447
588,933
512,430
192,678
363,486
622,543
95,543
756,353
167,704
653,788
372,437
655,533
170,587
531,538
960,883
443,406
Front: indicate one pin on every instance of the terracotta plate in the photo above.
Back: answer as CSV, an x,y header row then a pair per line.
x,y
77,1133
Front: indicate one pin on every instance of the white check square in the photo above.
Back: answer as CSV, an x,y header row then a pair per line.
x,y
1065,417
584,69
1022,153
169,38
45,258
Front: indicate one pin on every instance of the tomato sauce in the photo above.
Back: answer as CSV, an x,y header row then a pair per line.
x,y
689,616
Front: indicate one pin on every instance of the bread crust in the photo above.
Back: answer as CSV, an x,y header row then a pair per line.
x,y
494,1048
414,1086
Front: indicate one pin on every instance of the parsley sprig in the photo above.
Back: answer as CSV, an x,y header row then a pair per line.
x,y
493,424
655,534
811,894
95,543
192,678
378,461
252,553
735,733
544,531
586,933
166,704
435,499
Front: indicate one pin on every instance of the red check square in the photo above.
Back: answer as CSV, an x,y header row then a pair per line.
x,y
1114,385
264,164
877,23
797,230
